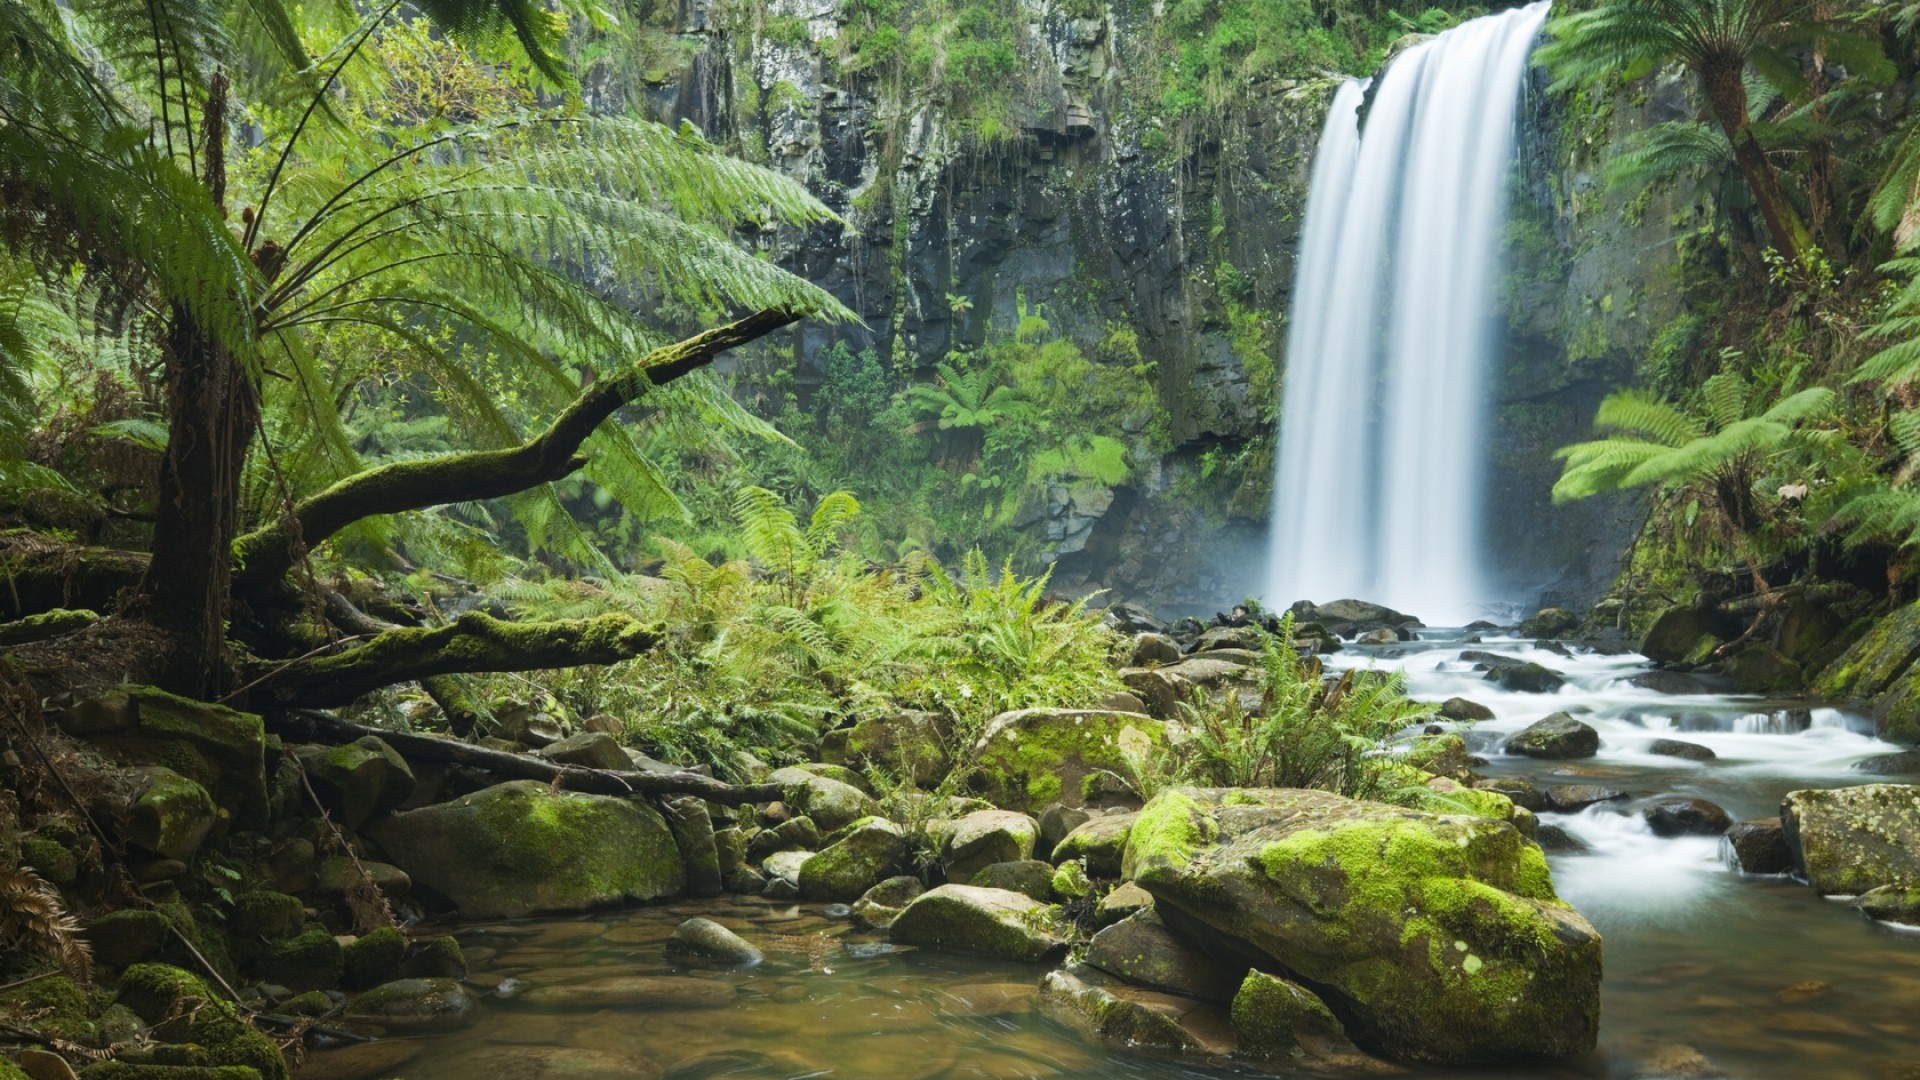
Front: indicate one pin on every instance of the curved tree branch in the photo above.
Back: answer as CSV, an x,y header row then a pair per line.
x,y
266,554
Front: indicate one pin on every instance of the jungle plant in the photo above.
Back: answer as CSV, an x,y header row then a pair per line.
x,y
964,402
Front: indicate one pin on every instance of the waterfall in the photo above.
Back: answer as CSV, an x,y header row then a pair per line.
x,y
1378,479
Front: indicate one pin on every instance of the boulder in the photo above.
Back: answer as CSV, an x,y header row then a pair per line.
x,y
782,871
1104,1009
171,815
1028,877
1550,622
357,782
1461,710
869,852
589,750
881,904
1868,668
993,922
1349,618
1377,637
1153,650
312,960
985,837
692,825
832,804
1558,737
1897,764
1159,689
1032,757
793,834
521,847
1141,950
1244,638
1437,938
1686,817
333,875
1892,903
1122,902
1677,634
1521,793
1758,847
1679,749
705,940
1759,668
372,959
220,749
1572,798
1056,821
1441,755
1526,677
1101,842
1853,839
184,1009
1275,1019
910,744
415,1005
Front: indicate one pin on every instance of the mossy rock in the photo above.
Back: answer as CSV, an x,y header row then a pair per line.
x,y
123,1070
221,749
123,938
1100,842
373,958
1104,1009
870,851
56,1005
831,804
1676,634
1028,877
184,1010
991,922
1558,737
1032,757
1759,668
1896,709
1849,840
267,915
1550,622
985,837
692,825
1275,1019
415,1005
1441,755
435,958
1869,667
359,781
50,858
171,815
521,847
1437,938
1141,950
911,744
311,961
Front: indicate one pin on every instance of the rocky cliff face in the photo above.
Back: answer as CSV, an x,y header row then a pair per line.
x,y
1106,215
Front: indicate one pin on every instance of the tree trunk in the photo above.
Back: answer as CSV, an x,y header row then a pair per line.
x,y
187,585
1727,96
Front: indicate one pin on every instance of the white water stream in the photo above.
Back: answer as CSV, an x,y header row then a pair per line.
x,y
1379,475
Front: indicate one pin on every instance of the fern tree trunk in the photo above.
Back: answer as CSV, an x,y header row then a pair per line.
x,y
187,588
1727,97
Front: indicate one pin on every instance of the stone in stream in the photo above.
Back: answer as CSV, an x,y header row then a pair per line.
x,y
1892,903
1464,711
1897,764
1757,847
1521,793
793,834
1549,622
1436,938
881,904
1101,841
1572,798
782,871
627,991
1377,637
869,852
1056,821
1106,1009
985,837
993,922
1558,737
1680,749
521,847
1681,635
1526,677
1669,682
704,939
414,1005
1557,841
1028,877
1686,817
832,804
1849,840
692,825
1142,951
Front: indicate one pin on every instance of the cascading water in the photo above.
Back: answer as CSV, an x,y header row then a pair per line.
x,y
1377,488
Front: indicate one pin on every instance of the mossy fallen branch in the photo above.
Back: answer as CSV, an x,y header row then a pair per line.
x,y
310,725
268,553
39,576
474,642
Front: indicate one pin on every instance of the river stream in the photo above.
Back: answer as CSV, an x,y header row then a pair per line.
x,y
1755,975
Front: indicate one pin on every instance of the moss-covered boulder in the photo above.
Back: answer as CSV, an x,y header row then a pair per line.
x,y
869,852
832,804
1871,664
1677,634
589,750
220,749
1550,622
1032,757
373,958
415,1005
1849,840
359,781
1438,938
1101,842
183,1009
522,847
170,815
313,960
911,744
1892,903
1275,1019
983,838
265,915
879,906
703,941
992,922
1104,1008
1759,668
1028,877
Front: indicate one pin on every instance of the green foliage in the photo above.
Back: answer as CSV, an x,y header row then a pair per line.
x,y
1305,733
